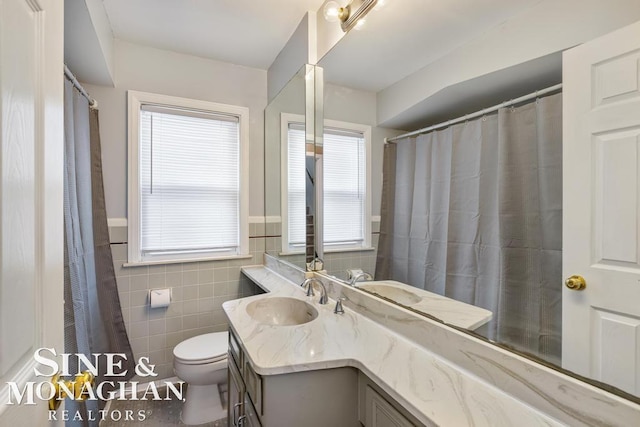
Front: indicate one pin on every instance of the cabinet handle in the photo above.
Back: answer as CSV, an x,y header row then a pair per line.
x,y
241,420
236,406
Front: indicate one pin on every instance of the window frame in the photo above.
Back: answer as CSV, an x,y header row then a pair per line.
x,y
135,100
285,120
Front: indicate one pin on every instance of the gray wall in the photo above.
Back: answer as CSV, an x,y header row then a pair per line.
x,y
297,52
359,106
199,288
291,99
159,71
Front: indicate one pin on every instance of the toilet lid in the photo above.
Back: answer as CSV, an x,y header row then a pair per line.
x,y
203,348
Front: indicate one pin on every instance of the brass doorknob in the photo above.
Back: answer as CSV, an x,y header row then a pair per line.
x,y
575,283
78,387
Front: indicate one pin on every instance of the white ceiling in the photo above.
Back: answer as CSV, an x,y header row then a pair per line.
x,y
404,36
398,39
244,32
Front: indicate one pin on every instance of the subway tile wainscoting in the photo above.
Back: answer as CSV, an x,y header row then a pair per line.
x,y
336,263
198,291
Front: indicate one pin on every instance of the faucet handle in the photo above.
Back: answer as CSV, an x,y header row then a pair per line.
x,y
310,292
317,264
339,309
358,276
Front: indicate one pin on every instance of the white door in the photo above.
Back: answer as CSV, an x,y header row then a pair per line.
x,y
601,230
31,195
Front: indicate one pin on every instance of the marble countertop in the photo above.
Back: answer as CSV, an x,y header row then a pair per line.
x,y
435,391
446,309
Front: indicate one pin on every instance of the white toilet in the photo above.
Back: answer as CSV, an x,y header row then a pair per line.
x,y
201,362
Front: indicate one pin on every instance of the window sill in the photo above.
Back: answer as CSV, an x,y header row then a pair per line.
x,y
338,250
290,253
332,251
184,261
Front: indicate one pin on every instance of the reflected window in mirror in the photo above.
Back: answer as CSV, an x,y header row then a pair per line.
x,y
346,183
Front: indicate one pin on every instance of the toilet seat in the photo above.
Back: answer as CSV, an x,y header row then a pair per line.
x,y
202,349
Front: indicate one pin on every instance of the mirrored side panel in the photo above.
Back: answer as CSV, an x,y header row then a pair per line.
x,y
289,131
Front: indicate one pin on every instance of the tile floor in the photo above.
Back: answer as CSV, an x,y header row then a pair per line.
x,y
157,413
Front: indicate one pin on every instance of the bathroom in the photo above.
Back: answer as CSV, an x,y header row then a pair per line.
x,y
411,65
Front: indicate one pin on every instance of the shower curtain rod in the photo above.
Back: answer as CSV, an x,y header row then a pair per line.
x,y
69,75
476,114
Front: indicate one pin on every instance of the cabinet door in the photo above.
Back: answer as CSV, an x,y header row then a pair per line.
x,y
253,385
252,419
236,394
380,413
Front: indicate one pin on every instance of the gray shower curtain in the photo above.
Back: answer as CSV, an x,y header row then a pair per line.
x,y
93,316
474,212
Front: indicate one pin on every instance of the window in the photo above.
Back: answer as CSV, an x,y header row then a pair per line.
x,y
346,178
187,179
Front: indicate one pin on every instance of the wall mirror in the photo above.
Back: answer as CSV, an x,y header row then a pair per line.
x,y
292,214
396,74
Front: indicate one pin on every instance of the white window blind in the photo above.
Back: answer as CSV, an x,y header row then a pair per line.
x,y
344,187
189,174
344,169
296,185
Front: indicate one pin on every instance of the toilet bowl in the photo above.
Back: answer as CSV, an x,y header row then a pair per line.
x,y
201,362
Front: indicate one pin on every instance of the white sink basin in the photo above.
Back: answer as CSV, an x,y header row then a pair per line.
x,y
398,295
281,311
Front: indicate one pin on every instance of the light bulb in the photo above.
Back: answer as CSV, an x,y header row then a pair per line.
x,y
331,11
360,24
380,4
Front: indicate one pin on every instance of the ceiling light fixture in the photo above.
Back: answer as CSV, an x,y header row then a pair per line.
x,y
331,11
348,15
360,24
380,4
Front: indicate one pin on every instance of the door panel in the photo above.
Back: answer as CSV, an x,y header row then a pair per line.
x,y
31,192
19,87
616,159
601,137
622,332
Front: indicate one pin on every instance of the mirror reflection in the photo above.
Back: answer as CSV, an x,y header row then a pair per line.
x,y
290,170
352,154
466,200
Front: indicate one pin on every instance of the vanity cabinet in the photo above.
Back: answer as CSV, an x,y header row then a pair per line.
x,y
240,411
378,409
237,400
327,397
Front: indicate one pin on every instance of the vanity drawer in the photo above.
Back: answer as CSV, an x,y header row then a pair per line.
x,y
253,385
234,349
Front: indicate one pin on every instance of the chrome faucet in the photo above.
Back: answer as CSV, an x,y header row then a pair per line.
x,y
358,276
317,264
309,284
